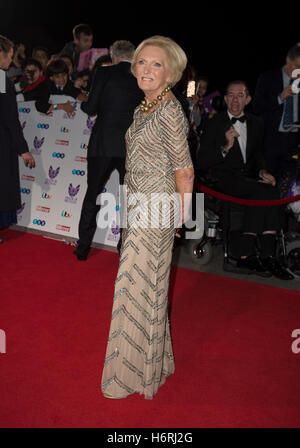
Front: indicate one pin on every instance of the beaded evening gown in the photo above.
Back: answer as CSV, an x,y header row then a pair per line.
x,y
139,353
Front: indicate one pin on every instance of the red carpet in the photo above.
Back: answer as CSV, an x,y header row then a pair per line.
x,y
232,345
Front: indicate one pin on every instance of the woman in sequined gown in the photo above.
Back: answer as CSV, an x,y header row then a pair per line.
x,y
139,353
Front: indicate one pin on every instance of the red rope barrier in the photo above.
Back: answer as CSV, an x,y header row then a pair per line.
x,y
249,202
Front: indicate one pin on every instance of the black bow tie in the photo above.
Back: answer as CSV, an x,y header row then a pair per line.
x,y
242,119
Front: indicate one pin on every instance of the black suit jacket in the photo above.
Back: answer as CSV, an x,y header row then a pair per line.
x,y
113,97
265,104
213,138
12,143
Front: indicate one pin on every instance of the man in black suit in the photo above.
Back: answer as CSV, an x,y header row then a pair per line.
x,y
279,106
231,148
113,97
12,141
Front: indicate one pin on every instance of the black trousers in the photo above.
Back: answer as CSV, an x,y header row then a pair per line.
x,y
256,219
98,172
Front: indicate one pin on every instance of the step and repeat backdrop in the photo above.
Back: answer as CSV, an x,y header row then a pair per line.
x,y
52,193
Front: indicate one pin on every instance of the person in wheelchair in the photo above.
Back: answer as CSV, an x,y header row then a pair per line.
x,y
231,148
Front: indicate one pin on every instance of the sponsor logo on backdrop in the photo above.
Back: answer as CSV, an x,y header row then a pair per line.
x,y
58,155
66,214
80,159
39,222
63,228
62,142
115,232
73,191
43,125
25,177
89,124
83,146
37,143
24,110
78,172
19,211
25,190
64,130
40,208
46,196
71,117
23,125
53,173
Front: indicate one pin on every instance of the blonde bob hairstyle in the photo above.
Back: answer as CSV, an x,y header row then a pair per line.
x,y
177,59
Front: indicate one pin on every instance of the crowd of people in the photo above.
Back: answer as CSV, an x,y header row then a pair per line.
x,y
40,75
37,77
156,125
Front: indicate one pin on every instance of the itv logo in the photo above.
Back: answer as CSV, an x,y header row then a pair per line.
x,y
64,130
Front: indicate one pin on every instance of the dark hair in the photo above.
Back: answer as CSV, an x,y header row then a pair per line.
x,y
294,52
102,60
56,67
32,61
82,28
218,103
5,44
40,48
78,75
66,56
99,62
238,81
202,78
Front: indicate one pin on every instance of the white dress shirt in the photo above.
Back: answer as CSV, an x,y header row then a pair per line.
x,y
286,83
2,81
241,129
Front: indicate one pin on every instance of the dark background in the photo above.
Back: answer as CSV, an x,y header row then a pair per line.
x,y
223,42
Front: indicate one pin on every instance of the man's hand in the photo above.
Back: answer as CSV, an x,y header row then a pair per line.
x,y
230,135
82,97
28,159
267,178
287,92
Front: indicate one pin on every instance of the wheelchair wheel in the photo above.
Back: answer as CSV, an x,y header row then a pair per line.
x,y
293,258
200,252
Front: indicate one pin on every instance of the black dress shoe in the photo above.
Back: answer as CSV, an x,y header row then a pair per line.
x,y
276,269
80,256
254,265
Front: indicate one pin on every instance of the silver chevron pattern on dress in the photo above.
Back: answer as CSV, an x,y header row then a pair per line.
x,y
139,353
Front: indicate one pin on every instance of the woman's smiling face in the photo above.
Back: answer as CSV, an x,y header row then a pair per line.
x,y
152,70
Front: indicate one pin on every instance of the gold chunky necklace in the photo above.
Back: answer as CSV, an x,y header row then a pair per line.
x,y
146,107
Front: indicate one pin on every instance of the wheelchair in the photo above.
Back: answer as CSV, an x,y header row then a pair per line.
x,y
289,242
223,223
